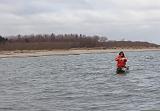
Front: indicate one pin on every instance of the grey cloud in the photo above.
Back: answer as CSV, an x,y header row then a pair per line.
x,y
130,19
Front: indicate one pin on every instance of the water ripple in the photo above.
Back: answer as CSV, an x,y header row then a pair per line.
x,y
85,82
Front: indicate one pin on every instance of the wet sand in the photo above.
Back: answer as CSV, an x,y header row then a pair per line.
x,y
36,53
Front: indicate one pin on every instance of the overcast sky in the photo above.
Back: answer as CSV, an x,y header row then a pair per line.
x,y
116,19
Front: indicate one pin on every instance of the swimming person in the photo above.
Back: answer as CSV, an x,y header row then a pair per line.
x,y
121,62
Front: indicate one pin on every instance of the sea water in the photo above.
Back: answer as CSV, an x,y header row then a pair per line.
x,y
85,82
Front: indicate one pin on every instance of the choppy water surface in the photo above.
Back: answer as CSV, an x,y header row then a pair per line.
x,y
85,82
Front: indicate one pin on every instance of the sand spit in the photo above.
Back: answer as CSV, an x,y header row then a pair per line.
x,y
36,53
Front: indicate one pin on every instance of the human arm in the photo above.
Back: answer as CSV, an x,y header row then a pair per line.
x,y
124,59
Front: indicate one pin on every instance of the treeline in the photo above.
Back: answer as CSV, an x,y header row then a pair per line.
x,y
129,44
65,41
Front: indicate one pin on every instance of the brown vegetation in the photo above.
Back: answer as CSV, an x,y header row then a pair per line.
x,y
66,41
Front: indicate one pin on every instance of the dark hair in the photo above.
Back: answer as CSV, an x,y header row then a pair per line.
x,y
122,53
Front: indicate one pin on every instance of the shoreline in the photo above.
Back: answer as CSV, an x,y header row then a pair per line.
x,y
37,53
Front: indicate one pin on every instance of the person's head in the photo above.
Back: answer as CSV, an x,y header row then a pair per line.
x,y
122,54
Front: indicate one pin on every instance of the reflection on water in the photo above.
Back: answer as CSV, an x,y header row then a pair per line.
x,y
85,82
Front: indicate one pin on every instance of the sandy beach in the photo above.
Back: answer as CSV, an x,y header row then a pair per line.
x,y
36,53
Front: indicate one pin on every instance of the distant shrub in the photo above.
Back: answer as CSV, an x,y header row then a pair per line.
x,y
2,39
